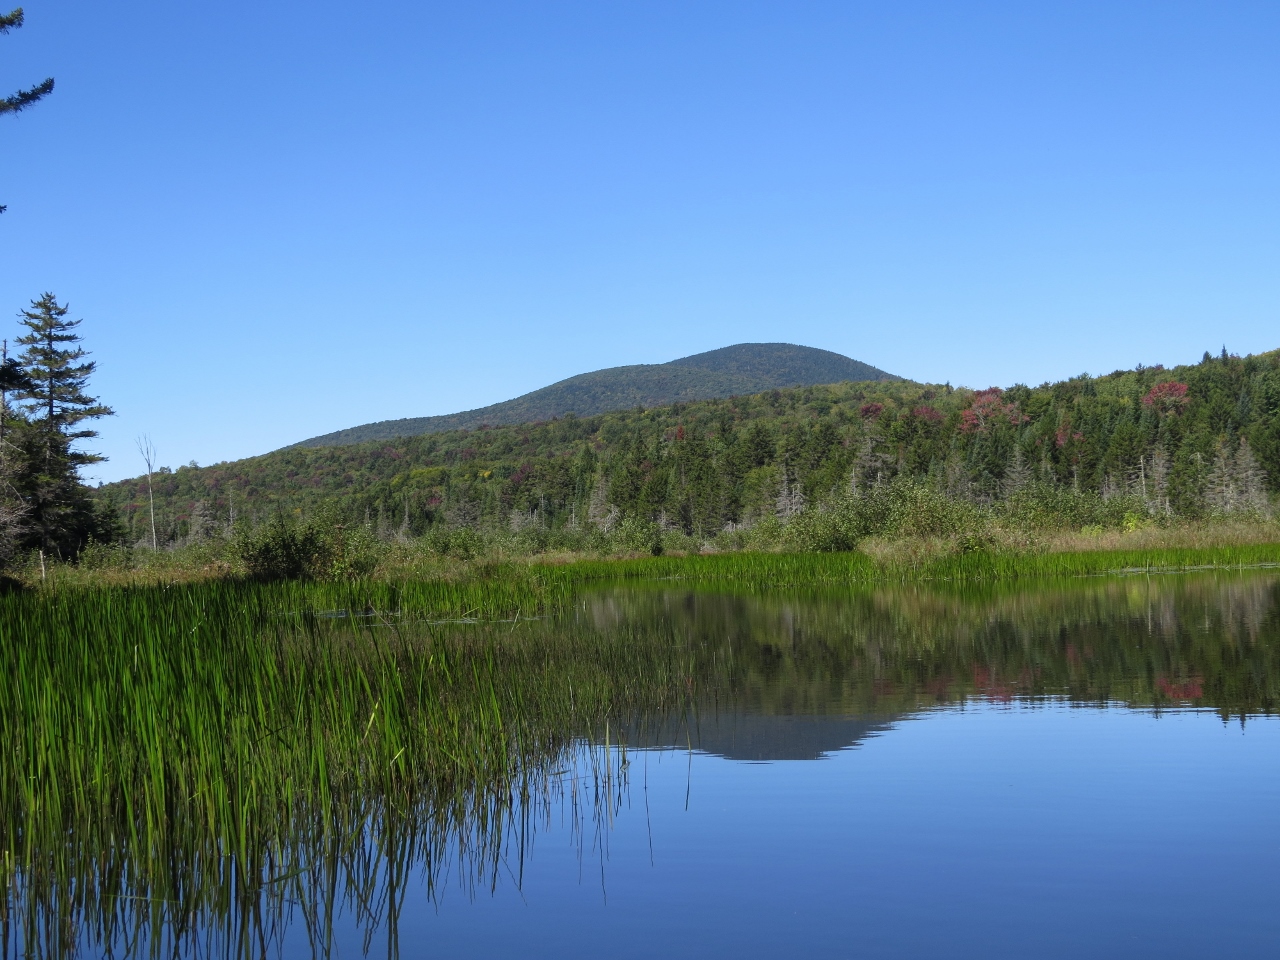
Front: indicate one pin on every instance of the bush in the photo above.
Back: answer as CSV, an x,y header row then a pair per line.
x,y
461,543
639,534
901,508
1044,506
323,548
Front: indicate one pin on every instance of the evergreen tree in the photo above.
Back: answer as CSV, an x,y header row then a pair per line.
x,y
23,98
1018,474
13,512
62,518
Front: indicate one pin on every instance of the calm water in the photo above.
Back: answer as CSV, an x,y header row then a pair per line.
x,y
1007,831
1087,770
1080,769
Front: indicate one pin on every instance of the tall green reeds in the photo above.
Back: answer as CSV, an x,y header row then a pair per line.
x,y
193,751
779,569
187,761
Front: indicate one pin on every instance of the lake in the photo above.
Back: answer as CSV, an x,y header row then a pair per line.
x,y
1071,768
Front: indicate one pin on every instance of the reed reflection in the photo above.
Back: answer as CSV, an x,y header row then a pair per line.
x,y
404,757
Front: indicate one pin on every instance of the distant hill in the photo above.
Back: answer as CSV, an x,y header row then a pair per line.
x,y
745,368
1175,437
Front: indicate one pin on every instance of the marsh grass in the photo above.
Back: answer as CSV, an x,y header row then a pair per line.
x,y
217,750
799,569
201,761
899,523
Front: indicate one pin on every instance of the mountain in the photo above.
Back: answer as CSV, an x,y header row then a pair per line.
x,y
1191,440
742,369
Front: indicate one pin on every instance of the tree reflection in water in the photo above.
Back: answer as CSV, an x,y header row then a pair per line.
x,y
749,675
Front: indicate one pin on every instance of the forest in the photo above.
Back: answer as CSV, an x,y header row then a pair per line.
x,y
823,468
814,468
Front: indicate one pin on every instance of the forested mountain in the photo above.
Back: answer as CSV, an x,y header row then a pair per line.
x,y
1190,440
730,371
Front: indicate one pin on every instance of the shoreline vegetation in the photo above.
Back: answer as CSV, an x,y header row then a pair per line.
x,y
486,565
1169,468
823,468
898,530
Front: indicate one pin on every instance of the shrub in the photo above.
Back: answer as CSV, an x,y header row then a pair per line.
x,y
1043,506
461,543
640,534
323,548
277,550
903,508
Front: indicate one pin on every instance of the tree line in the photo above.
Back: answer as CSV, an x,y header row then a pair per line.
x,y
1194,441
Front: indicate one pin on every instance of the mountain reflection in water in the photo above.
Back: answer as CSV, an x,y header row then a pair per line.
x,y
756,738
796,675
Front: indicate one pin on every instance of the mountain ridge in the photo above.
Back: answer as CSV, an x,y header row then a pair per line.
x,y
1197,435
739,369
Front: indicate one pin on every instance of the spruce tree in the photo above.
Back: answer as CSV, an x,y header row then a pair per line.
x,y
61,515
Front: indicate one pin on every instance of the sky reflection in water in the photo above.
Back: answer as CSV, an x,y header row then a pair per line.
x,y
838,813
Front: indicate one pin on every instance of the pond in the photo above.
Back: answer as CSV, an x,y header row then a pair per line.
x,y
1075,768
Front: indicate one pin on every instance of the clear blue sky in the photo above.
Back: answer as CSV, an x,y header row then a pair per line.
x,y
282,219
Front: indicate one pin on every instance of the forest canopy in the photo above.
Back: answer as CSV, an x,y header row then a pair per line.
x,y
1192,441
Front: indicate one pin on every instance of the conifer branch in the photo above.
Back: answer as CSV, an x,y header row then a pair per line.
x,y
12,20
25,98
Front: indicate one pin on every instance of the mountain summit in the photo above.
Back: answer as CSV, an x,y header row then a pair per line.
x,y
744,368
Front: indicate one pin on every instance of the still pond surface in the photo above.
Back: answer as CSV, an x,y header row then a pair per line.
x,y
1063,769
1081,769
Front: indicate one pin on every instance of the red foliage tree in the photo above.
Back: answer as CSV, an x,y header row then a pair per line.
x,y
988,407
1168,397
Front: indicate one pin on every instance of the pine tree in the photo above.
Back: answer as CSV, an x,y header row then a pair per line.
x,y
23,98
61,515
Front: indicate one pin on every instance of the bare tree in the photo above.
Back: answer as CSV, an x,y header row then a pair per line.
x,y
870,467
600,512
148,451
1155,474
791,498
1236,482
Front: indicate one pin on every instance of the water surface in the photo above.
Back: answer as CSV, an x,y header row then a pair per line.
x,y
1080,768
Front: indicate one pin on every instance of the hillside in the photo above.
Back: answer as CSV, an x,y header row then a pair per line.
x,y
1174,437
745,368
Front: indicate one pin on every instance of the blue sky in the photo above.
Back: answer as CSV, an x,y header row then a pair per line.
x,y
284,219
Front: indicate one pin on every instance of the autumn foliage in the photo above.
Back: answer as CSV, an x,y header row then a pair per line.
x,y
1170,396
987,408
